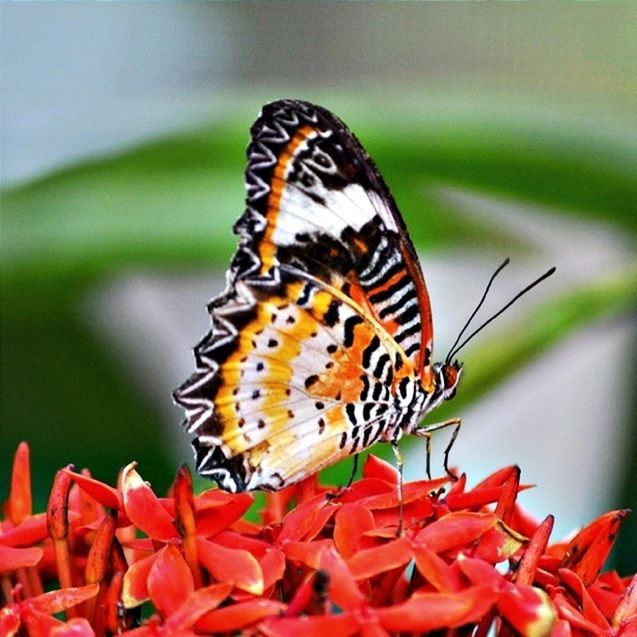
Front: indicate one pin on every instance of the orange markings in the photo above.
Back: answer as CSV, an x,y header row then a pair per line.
x,y
361,245
268,248
385,285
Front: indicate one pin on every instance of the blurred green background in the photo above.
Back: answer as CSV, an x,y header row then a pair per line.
x,y
501,129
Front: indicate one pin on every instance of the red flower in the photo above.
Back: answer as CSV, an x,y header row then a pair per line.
x,y
34,613
466,560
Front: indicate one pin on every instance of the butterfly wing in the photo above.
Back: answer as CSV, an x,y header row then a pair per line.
x,y
316,201
325,319
303,381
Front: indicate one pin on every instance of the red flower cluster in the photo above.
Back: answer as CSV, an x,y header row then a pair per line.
x,y
363,563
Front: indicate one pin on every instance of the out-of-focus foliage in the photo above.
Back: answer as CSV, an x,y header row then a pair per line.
x,y
176,198
171,204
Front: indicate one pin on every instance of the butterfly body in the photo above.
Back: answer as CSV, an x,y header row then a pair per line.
x,y
321,343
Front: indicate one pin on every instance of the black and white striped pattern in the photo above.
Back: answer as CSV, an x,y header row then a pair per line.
x,y
337,223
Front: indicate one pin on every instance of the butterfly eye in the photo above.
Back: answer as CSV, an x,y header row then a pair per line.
x,y
450,375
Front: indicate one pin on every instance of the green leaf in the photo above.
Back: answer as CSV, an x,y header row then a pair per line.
x,y
177,198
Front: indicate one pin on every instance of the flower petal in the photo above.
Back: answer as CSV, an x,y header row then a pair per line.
x,y
627,608
342,588
306,521
533,551
97,561
480,572
342,625
199,603
30,531
185,521
574,617
523,522
411,491
212,519
455,530
374,467
432,611
605,599
19,504
474,499
363,489
308,553
506,503
371,628
135,589
588,550
234,540
380,559
272,566
498,478
90,510
9,620
170,581
59,600
561,628
37,623
499,543
234,566
528,609
577,589
232,618
57,512
77,627
436,571
106,495
459,486
144,508
277,504
309,595
351,521
414,513
218,498
11,559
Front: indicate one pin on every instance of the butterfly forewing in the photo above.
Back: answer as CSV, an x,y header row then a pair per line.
x,y
325,320
316,201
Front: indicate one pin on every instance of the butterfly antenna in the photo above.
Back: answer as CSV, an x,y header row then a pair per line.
x,y
482,300
506,307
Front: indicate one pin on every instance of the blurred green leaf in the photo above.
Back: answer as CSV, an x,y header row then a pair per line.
x,y
177,198
171,204
502,355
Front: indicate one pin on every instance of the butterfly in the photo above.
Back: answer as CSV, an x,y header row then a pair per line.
x,y
321,343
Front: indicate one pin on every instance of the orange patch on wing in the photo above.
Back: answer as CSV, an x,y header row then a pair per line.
x,y
267,247
356,293
360,297
385,285
361,245
428,379
335,419
343,381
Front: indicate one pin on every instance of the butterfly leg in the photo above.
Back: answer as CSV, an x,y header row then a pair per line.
x,y
427,430
341,490
400,462
353,474
427,436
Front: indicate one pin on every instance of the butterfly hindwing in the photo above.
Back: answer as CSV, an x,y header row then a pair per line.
x,y
305,381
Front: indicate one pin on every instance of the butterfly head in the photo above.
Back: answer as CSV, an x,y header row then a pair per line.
x,y
447,378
